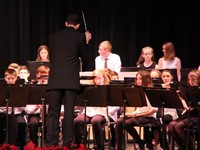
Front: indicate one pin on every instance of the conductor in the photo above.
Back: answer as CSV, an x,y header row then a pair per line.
x,y
67,46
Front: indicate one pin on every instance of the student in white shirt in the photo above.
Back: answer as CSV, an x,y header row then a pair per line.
x,y
97,116
169,59
105,52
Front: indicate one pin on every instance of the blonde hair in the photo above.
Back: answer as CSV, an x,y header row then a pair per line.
x,y
141,58
195,74
13,66
107,45
102,73
155,71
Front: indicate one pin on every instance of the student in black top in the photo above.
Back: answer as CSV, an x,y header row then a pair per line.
x,y
146,59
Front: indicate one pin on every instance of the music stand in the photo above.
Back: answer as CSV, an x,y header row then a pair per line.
x,y
125,95
192,97
13,96
94,96
38,95
130,69
135,97
163,98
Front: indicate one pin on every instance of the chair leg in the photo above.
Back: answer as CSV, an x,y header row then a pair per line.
x,y
88,137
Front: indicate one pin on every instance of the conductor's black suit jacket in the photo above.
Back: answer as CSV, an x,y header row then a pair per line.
x,y
66,47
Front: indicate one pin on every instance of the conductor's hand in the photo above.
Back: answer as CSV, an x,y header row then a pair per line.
x,y
88,36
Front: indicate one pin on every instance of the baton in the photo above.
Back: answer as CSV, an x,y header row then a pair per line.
x,y
84,21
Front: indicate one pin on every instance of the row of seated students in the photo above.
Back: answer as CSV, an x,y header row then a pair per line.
x,y
175,122
20,117
98,116
17,116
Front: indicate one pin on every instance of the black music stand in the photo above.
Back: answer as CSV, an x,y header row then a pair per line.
x,y
94,96
39,95
163,98
13,96
135,97
192,96
124,95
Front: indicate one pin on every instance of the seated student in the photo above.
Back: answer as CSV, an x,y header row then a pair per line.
x,y
146,59
14,66
11,78
24,73
141,116
12,121
155,74
177,127
42,53
156,77
42,74
34,111
169,113
95,115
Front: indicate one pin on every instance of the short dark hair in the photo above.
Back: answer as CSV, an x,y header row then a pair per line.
x,y
73,19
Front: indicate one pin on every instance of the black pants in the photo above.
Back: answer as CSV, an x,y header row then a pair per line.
x,y
55,100
33,127
96,122
21,136
12,129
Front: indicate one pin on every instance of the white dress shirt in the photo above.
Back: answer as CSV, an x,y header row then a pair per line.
x,y
113,62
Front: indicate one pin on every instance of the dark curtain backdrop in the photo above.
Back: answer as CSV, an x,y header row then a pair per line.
x,y
129,25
